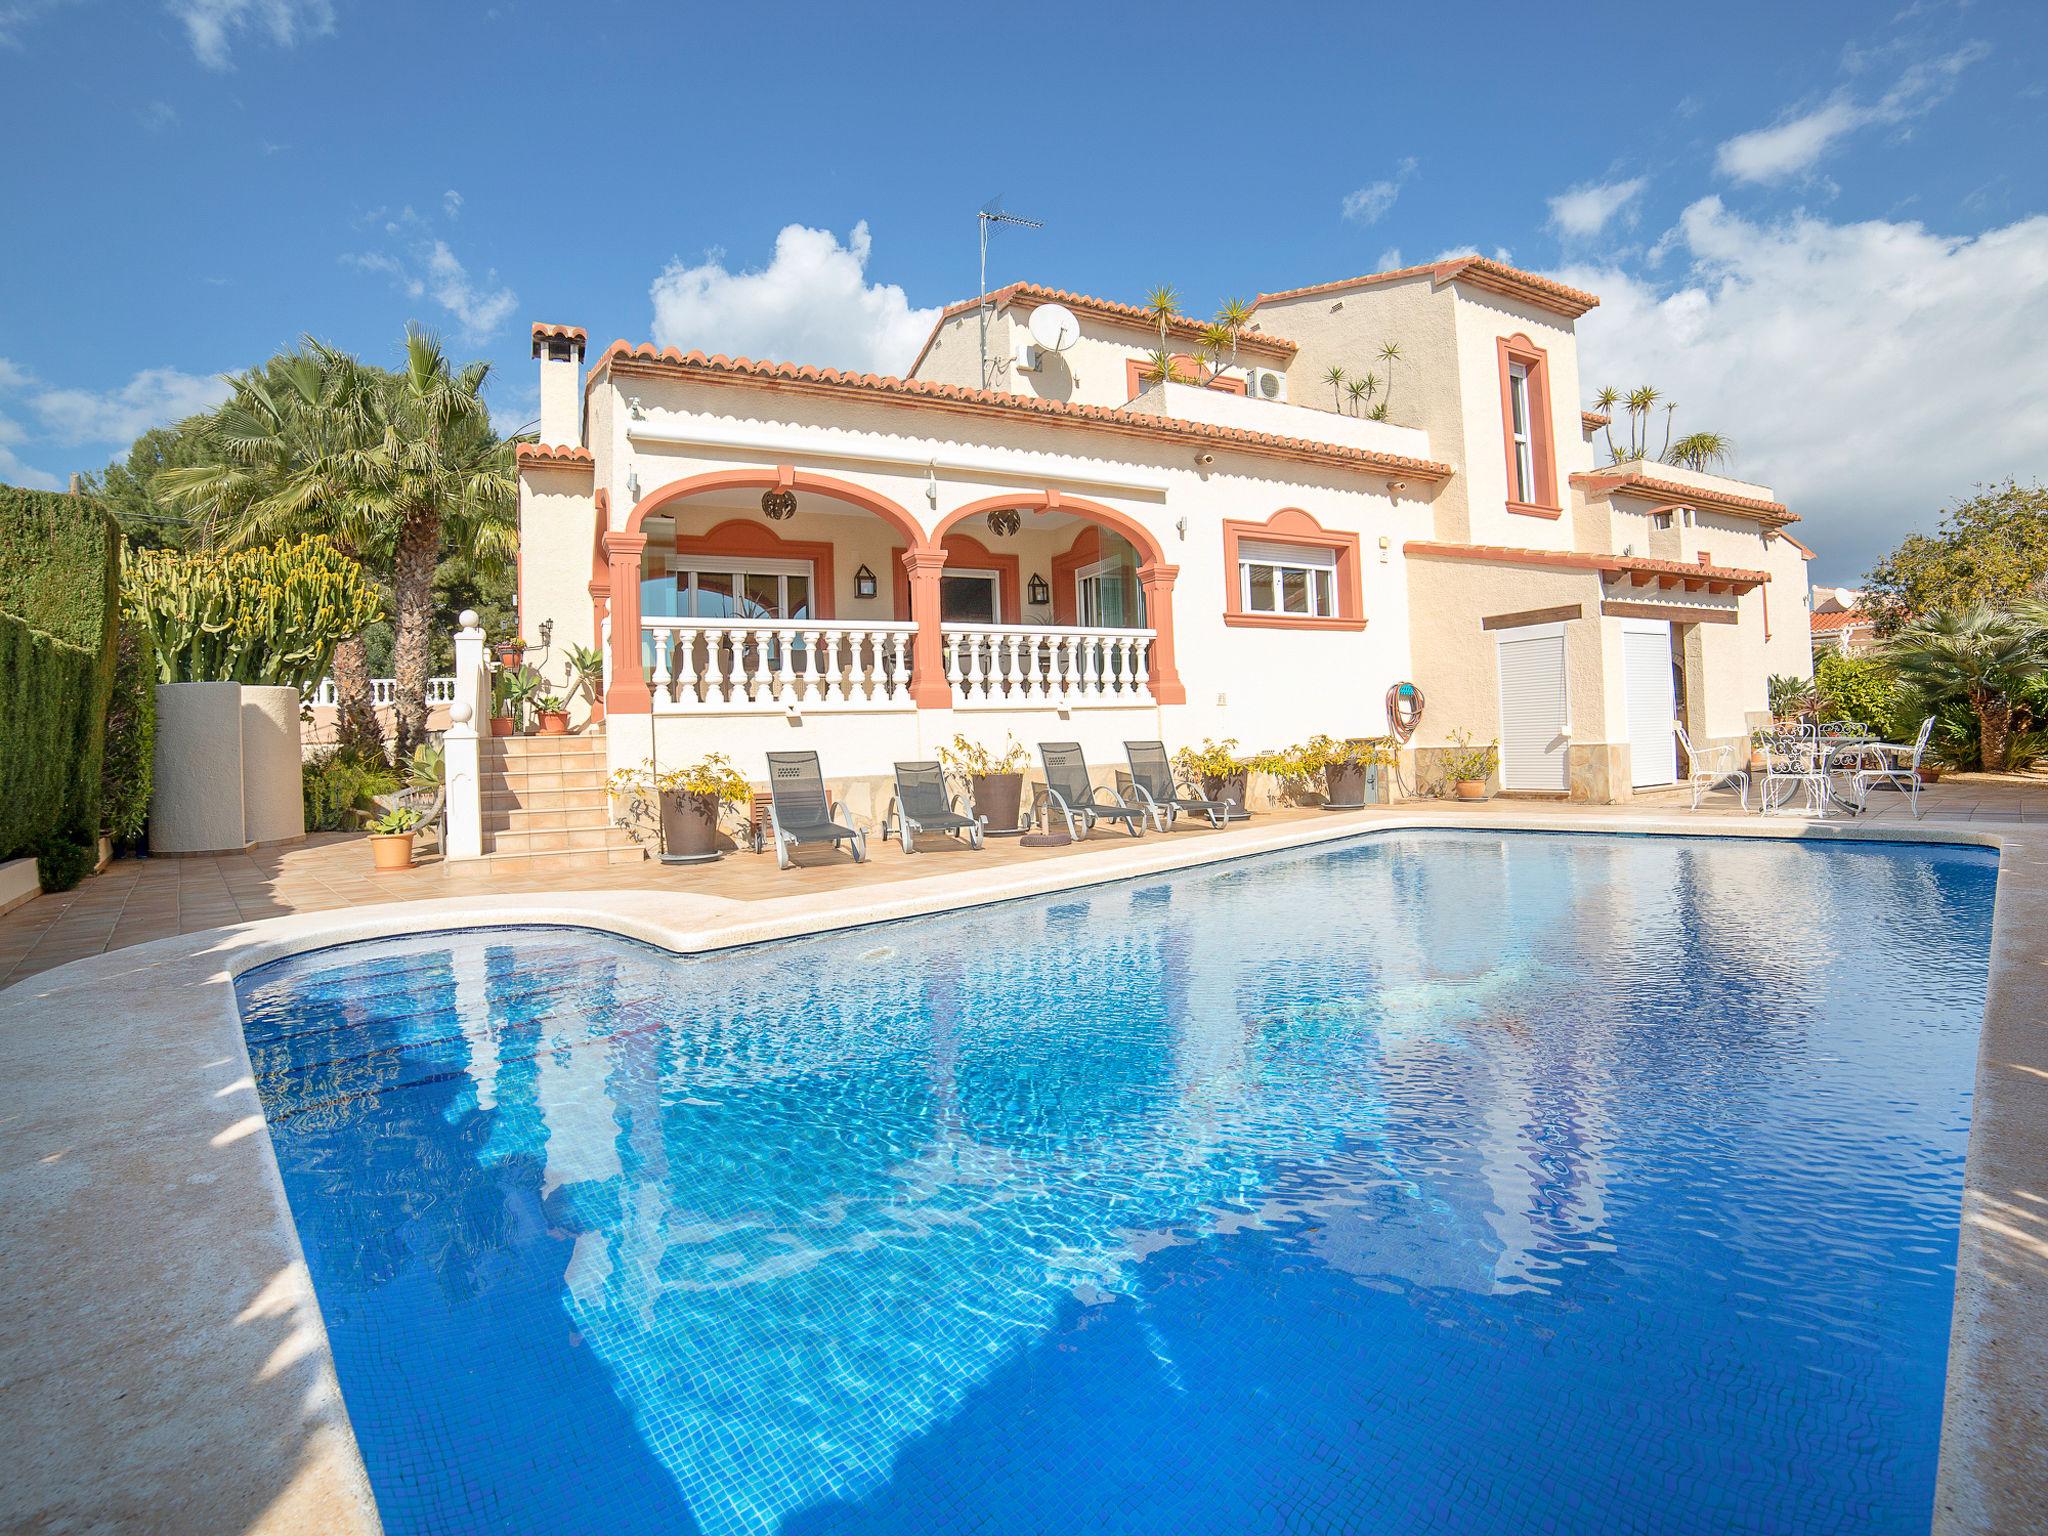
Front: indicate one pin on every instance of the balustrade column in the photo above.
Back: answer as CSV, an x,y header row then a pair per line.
x,y
928,687
1157,580
627,693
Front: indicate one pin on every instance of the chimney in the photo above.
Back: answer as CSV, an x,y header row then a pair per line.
x,y
560,351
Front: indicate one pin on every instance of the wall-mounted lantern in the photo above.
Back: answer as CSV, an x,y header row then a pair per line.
x,y
1038,592
1004,521
863,582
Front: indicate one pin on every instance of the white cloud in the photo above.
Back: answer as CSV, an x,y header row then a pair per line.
x,y
213,24
422,265
1870,372
1390,259
1370,203
156,116
154,397
451,203
17,16
1588,208
12,470
1796,143
812,303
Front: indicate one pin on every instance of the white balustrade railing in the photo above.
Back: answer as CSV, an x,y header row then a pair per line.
x,y
730,665
384,692
1020,665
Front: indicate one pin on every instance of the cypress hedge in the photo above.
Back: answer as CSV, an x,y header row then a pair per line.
x,y
60,576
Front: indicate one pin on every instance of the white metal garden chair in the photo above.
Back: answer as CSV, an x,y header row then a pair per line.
x,y
1713,768
1896,764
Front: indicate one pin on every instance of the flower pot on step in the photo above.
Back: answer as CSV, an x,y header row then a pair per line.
x,y
501,725
998,798
554,722
1471,789
597,711
390,851
689,827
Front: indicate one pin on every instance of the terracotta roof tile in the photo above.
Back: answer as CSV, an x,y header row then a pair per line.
x,y
562,455
1579,560
1636,483
1185,326
545,332
954,396
1479,271
1593,421
1853,618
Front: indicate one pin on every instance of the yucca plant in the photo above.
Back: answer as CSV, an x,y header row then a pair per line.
x,y
1358,394
1334,377
1163,305
1700,450
1159,368
1980,656
1234,316
1641,401
1605,403
1390,354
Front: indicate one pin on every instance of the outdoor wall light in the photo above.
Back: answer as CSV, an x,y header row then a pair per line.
x,y
863,582
1038,592
1004,521
778,504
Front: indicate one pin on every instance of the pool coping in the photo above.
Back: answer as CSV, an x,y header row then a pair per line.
x,y
194,1390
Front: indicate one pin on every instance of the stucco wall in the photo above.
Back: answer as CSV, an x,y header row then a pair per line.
x,y
273,801
195,805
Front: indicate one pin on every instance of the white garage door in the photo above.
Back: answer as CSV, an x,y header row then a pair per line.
x,y
1534,708
1646,669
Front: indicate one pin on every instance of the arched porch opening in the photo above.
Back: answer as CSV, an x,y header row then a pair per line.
x,y
1040,584
762,588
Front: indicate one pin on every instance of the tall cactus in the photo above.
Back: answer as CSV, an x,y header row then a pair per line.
x,y
271,615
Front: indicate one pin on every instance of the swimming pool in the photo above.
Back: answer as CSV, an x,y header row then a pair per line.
x,y
1444,1182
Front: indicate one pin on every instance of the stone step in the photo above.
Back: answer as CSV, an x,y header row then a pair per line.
x,y
578,781
551,819
545,798
544,746
582,840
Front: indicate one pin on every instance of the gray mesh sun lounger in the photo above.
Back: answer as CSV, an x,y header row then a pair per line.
x,y
922,805
799,810
1068,791
1160,795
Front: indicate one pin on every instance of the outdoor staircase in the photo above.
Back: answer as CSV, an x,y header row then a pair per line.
x,y
544,805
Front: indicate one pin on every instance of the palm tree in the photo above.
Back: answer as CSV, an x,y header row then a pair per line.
x,y
1334,377
1701,450
1163,305
272,461
1159,368
1390,354
437,470
1670,409
1372,383
1359,395
1216,341
1234,316
1605,402
1980,656
1641,401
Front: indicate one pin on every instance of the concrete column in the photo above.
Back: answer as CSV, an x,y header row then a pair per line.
x,y
928,686
626,689
463,766
1157,580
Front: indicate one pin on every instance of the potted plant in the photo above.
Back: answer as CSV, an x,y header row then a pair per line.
x,y
1467,768
1338,767
995,778
1223,772
583,674
521,686
511,653
391,839
502,721
687,801
553,714
1759,752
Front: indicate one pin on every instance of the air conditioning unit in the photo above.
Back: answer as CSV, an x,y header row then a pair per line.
x,y
1029,358
1270,385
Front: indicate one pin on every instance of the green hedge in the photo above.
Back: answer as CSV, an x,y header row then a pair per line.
x,y
47,699
60,575
128,767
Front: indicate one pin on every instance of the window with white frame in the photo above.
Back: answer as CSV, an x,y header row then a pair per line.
x,y
1519,428
1299,580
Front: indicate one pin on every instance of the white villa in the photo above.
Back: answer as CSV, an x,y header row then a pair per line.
x,y
775,556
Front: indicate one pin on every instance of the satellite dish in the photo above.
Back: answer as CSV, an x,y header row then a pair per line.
x,y
1054,327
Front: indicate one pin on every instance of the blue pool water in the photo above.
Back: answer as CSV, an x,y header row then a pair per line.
x,y
1439,1183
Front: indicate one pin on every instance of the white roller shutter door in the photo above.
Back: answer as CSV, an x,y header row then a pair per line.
x,y
1535,709
1646,673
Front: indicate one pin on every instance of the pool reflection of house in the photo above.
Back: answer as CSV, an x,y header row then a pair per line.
x,y
1052,543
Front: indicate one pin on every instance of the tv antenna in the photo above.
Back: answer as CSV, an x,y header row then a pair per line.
x,y
992,213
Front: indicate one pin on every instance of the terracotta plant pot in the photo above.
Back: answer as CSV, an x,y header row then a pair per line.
x,y
597,711
1929,774
511,654
1343,786
1759,764
1471,789
554,722
501,725
998,797
689,827
390,850
1227,787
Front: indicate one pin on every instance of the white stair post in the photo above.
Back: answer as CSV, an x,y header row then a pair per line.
x,y
463,763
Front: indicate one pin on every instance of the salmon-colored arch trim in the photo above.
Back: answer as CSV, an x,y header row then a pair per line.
x,y
737,538
1291,525
778,477
1140,536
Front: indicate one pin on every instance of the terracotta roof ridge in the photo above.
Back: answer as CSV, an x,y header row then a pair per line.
x,y
555,453
1480,271
1612,479
1582,560
743,367
1039,293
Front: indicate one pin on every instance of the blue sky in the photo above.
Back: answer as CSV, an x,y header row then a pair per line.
x,y
1821,228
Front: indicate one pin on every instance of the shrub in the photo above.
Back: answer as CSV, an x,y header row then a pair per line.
x,y
338,783
59,589
268,617
1861,688
128,764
